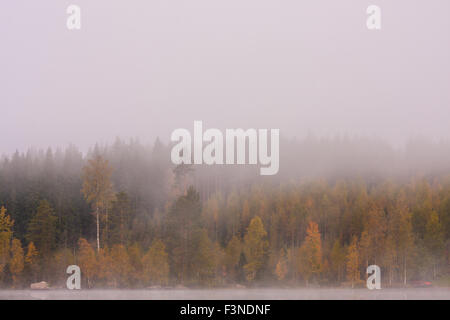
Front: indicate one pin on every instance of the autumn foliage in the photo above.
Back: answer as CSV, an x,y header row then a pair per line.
x,y
301,233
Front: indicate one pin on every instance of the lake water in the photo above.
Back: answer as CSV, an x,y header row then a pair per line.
x,y
230,294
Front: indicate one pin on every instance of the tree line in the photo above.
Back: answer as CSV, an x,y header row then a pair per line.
x,y
130,219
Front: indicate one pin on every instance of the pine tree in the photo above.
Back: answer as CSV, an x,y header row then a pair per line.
x,y
42,230
120,220
183,220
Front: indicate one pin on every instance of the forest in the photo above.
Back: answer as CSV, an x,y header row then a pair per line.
x,y
130,219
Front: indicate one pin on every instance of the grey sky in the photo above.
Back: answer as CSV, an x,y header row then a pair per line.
x,y
144,68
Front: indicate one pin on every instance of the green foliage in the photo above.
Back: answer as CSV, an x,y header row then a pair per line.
x,y
120,220
159,231
183,223
42,229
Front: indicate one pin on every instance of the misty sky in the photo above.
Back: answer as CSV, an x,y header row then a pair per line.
x,y
144,68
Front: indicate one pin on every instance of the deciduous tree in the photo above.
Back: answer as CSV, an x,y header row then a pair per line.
x,y
156,264
353,274
255,246
6,225
312,251
31,261
87,261
16,263
121,265
232,255
97,187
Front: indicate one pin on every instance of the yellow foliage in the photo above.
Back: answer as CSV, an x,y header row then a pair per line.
x,y
16,264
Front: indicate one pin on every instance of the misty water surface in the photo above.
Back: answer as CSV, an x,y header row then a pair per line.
x,y
235,294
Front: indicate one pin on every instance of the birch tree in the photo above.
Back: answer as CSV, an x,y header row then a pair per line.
x,y
97,187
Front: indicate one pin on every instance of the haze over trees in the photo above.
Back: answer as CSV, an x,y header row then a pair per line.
x,y
129,218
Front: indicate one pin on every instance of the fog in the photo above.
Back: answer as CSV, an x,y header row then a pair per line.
x,y
227,294
144,68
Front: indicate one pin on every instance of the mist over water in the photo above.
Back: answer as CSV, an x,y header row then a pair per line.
x,y
229,294
364,159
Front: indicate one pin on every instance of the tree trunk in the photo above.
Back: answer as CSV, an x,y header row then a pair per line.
x,y
391,275
434,270
106,238
98,232
404,272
